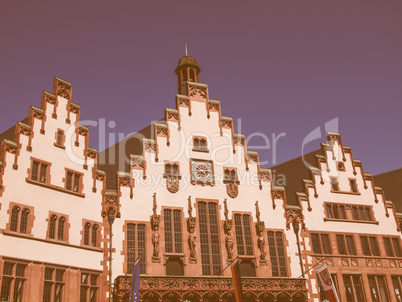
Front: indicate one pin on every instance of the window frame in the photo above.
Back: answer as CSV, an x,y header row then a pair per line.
x,y
65,233
352,280
91,224
274,249
89,286
21,227
73,184
247,240
12,278
168,171
60,135
377,287
370,246
198,145
38,175
212,266
54,283
175,249
334,184
320,241
395,252
230,171
127,267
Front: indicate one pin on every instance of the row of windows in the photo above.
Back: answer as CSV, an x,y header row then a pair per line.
x,y
20,219
335,185
349,212
354,289
41,171
12,286
346,245
209,239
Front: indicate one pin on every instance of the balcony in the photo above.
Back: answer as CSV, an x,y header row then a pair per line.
x,y
210,289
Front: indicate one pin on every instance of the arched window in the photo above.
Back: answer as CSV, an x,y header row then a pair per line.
x,y
59,140
95,235
86,233
233,175
168,171
196,143
14,218
175,169
52,226
203,144
24,221
227,174
192,75
60,229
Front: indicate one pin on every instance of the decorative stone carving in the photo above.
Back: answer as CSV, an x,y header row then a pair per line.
x,y
226,123
74,108
232,189
111,201
192,236
82,131
252,157
155,220
202,288
354,262
63,90
172,184
228,233
100,176
202,91
124,181
369,263
345,262
213,106
260,227
294,215
92,153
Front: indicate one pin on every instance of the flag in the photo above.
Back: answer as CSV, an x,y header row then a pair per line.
x,y
327,283
237,281
135,282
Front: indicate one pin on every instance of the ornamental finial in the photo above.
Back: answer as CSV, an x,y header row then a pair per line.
x,y
185,46
190,208
155,205
257,211
226,208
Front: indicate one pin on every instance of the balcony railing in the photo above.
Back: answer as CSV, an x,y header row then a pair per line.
x,y
214,288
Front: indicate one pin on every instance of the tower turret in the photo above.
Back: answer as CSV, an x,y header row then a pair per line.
x,y
187,70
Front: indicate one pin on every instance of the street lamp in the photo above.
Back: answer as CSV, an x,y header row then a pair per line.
x,y
110,218
296,228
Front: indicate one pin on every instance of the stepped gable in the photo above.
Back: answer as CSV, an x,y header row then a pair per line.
x,y
295,171
391,183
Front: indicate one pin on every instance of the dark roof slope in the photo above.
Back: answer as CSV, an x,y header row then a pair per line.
x,y
117,157
293,172
391,183
9,133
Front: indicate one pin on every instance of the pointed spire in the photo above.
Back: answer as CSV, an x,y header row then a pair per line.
x,y
185,46
154,205
226,209
257,211
190,208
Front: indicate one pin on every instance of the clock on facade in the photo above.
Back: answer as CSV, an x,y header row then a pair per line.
x,y
201,171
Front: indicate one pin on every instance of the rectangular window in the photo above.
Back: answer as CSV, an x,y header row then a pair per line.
x,y
397,282
173,235
209,238
323,297
334,184
345,245
243,234
39,171
200,143
353,185
73,181
392,247
362,213
369,246
320,243
89,287
135,246
53,283
277,253
378,288
13,275
353,288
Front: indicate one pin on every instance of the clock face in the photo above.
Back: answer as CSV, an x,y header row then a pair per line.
x,y
201,170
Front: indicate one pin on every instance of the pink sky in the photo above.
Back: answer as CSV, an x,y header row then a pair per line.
x,y
280,66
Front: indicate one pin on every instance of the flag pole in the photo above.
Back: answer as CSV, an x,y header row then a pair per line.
x,y
313,266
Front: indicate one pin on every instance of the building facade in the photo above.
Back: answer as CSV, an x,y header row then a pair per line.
x,y
188,198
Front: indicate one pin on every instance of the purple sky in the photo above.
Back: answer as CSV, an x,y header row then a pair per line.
x,y
281,66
